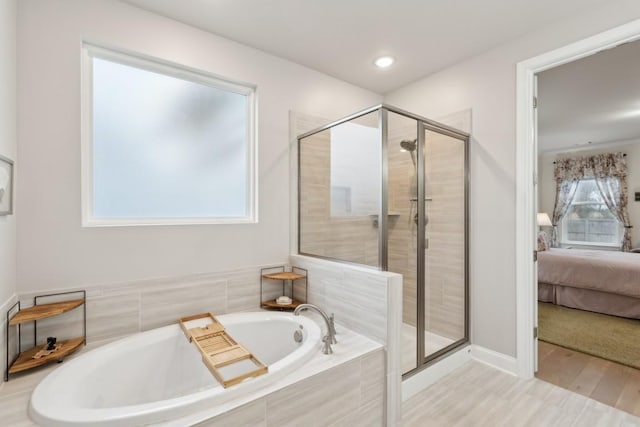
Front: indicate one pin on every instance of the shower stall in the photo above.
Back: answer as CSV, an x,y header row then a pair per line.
x,y
389,189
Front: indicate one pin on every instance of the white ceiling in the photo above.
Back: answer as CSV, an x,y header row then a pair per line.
x,y
590,102
343,37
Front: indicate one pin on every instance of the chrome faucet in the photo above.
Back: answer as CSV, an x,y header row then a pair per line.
x,y
328,339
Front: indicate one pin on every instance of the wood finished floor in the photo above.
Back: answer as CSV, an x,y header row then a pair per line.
x,y
608,382
477,395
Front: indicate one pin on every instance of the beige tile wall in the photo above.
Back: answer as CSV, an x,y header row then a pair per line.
x,y
120,309
351,394
353,239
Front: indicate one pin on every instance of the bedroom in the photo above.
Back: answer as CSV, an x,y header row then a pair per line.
x,y
588,288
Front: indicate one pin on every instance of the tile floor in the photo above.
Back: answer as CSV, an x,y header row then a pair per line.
x,y
475,395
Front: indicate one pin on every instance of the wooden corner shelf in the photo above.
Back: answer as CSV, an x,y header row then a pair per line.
x,y
38,355
285,275
295,281
26,359
274,305
38,312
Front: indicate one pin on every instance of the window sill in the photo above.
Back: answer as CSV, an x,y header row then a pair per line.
x,y
145,222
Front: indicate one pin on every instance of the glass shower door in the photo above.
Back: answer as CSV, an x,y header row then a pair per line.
x,y
444,259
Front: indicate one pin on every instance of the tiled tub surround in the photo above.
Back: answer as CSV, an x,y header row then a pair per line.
x,y
359,297
366,301
120,309
346,388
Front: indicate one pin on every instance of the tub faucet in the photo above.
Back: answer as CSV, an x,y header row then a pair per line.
x,y
330,337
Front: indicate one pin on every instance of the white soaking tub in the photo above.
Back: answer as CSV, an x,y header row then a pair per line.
x,y
157,376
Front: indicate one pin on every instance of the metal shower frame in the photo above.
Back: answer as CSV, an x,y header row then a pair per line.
x,y
423,124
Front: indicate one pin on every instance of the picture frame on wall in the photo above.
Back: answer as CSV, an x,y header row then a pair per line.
x,y
6,186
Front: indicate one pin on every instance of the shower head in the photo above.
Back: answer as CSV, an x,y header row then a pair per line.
x,y
408,145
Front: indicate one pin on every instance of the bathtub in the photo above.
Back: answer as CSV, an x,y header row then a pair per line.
x,y
157,376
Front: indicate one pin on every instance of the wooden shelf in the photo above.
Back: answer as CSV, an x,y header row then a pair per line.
x,y
26,361
43,311
273,304
293,277
285,275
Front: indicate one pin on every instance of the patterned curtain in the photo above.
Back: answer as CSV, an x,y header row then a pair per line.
x,y
565,190
611,177
610,173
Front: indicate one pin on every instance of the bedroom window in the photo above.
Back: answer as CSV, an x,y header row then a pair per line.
x,y
164,144
588,220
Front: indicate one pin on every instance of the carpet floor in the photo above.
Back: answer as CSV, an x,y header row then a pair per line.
x,y
609,337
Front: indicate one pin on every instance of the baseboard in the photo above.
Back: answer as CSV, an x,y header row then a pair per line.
x,y
508,364
4,306
423,379
8,303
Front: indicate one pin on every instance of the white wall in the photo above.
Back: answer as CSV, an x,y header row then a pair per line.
x,y
53,250
8,141
486,84
547,184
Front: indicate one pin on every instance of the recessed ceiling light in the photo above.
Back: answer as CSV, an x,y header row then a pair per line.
x,y
384,61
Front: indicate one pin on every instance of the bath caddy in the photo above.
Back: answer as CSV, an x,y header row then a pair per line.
x,y
39,355
219,350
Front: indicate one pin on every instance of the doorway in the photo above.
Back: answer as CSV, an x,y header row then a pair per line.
x,y
527,178
587,116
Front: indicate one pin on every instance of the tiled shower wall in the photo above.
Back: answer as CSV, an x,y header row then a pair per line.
x,y
349,238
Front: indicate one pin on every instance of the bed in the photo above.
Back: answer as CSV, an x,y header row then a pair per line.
x,y
602,281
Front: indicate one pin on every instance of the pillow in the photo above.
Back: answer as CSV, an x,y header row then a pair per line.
x,y
543,241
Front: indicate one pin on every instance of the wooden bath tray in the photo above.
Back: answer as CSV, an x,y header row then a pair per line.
x,y
219,350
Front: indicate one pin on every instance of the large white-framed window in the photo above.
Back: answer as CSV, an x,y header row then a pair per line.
x,y
588,220
164,144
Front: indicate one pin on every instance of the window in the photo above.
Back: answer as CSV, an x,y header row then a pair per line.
x,y
164,144
588,220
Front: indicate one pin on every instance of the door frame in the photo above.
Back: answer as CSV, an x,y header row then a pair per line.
x,y
526,164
